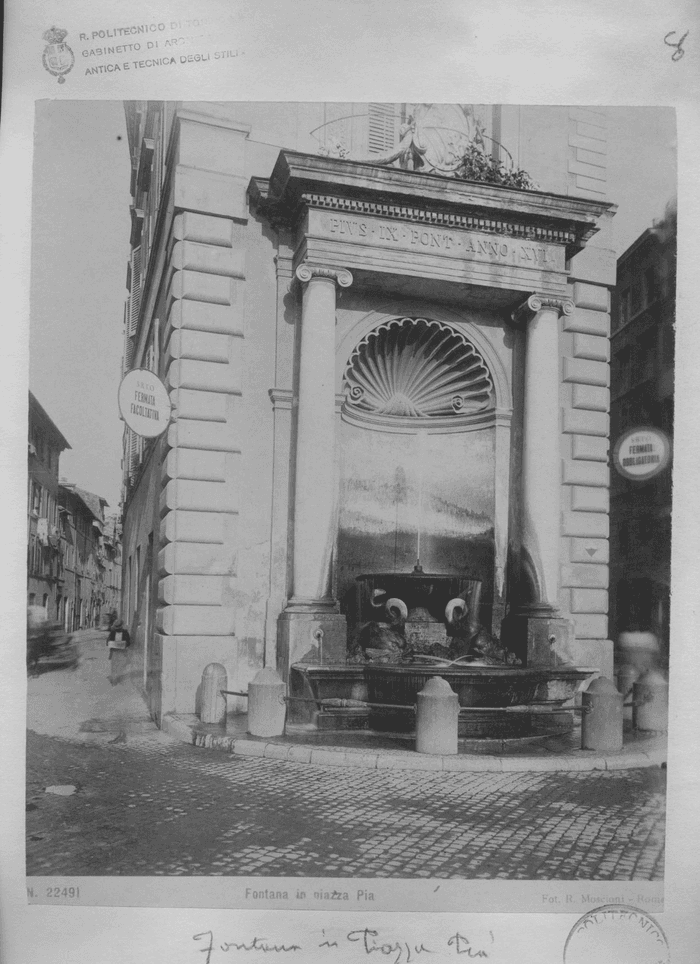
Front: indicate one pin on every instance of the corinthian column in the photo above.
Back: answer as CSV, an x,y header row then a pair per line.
x,y
541,477
311,627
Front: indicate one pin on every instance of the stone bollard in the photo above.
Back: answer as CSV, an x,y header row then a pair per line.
x,y
601,727
266,706
212,703
626,678
437,715
651,702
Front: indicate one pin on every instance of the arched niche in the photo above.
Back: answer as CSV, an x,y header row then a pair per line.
x,y
424,452
463,324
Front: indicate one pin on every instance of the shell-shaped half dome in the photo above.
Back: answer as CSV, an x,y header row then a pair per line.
x,y
415,368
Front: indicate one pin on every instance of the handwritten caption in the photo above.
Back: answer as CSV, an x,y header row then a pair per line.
x,y
368,941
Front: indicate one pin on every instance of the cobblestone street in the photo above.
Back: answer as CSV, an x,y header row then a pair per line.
x,y
146,805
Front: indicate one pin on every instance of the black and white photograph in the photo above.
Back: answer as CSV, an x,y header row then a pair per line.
x,y
349,460
349,495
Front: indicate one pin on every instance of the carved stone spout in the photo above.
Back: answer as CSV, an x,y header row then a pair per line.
x,y
385,640
471,642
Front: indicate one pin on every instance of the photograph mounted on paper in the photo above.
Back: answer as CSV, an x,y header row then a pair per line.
x,y
382,516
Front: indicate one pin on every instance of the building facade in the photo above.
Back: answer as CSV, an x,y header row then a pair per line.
x,y
385,334
86,566
45,575
112,566
642,395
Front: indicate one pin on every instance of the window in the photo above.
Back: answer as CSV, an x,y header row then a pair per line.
x,y
31,599
625,306
646,355
667,415
667,272
650,286
623,370
382,127
36,498
668,338
635,299
134,291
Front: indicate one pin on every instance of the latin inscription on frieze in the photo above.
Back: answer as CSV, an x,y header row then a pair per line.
x,y
446,242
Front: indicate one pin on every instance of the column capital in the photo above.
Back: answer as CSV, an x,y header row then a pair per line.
x,y
341,276
536,303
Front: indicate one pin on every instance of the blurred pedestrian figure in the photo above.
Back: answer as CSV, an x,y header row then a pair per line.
x,y
47,642
118,642
36,634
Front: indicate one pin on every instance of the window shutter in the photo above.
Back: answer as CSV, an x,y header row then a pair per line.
x,y
128,355
382,127
135,294
127,459
133,451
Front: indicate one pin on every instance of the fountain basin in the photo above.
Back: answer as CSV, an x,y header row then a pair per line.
x,y
485,695
488,686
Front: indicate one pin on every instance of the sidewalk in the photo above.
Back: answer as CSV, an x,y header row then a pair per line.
x,y
396,752
83,704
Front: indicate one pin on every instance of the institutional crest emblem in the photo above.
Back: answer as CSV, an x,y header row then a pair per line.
x,y
58,58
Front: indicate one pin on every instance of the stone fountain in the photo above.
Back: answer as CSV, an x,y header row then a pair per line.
x,y
416,626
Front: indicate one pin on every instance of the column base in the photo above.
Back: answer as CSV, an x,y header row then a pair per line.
x,y
305,636
540,636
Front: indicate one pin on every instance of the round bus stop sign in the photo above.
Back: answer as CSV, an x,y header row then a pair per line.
x,y
144,403
641,453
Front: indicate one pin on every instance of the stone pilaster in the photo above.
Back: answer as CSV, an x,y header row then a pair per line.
x,y
311,626
199,500
585,452
587,163
538,632
282,397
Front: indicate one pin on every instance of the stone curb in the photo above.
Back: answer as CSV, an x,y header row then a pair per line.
x,y
187,732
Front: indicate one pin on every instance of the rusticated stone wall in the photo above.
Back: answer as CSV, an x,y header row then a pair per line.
x,y
203,348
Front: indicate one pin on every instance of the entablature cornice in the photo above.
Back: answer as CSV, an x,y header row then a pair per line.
x,y
441,218
300,181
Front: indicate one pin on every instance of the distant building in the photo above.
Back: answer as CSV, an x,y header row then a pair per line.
x,y
85,558
642,378
74,561
112,571
45,577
